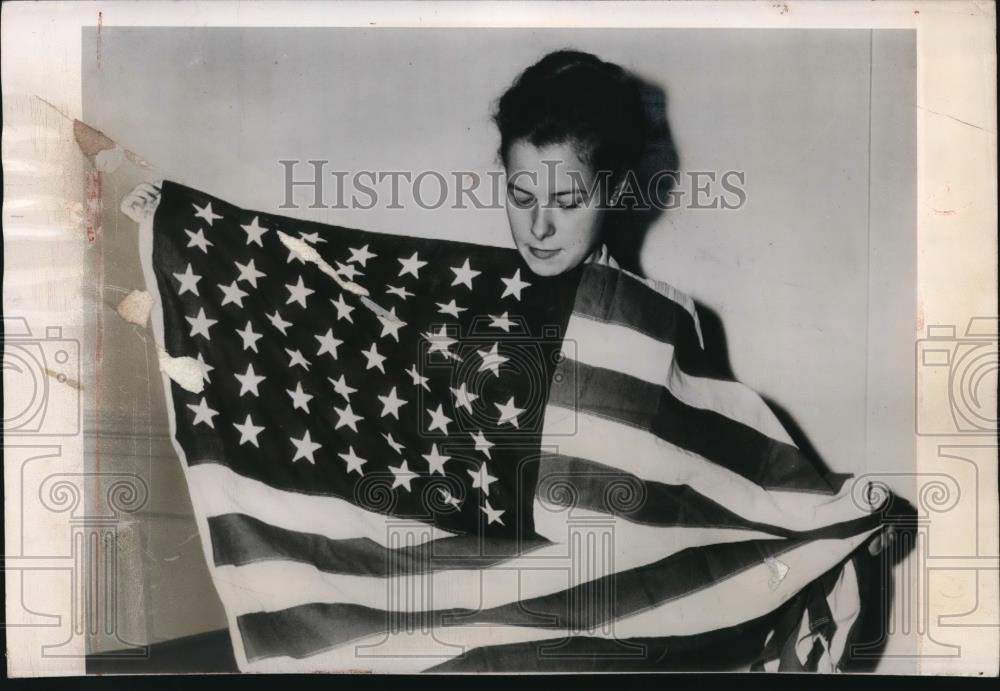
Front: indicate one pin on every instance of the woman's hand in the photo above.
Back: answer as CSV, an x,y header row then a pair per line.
x,y
882,541
141,203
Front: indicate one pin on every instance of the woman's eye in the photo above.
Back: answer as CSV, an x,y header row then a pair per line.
x,y
521,199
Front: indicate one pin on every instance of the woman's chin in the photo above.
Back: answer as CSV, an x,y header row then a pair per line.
x,y
545,267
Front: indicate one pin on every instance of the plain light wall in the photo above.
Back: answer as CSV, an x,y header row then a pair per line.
x,y
813,279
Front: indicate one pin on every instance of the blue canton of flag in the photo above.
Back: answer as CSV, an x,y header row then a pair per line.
x,y
402,375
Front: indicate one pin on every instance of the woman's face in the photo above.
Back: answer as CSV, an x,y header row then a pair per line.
x,y
554,225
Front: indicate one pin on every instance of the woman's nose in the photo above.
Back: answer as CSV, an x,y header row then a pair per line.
x,y
541,225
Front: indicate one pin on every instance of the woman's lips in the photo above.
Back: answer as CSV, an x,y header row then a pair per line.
x,y
543,254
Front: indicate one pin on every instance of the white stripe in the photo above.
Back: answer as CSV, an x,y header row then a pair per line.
x,y
743,597
575,433
804,640
772,664
279,584
845,604
216,490
622,349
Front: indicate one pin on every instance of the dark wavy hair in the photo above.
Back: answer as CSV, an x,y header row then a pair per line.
x,y
573,97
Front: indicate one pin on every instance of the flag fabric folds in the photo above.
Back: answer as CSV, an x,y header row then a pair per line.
x,y
408,454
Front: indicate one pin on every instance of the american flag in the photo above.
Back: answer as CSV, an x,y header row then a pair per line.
x,y
408,454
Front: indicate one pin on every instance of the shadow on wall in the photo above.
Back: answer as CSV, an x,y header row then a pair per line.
x,y
626,235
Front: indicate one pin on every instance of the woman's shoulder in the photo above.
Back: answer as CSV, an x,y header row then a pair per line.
x,y
602,257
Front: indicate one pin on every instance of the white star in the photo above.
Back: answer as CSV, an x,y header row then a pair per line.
x,y
250,337
509,412
279,323
440,420
341,387
404,476
396,446
198,240
305,447
294,256
400,292
343,309
328,344
206,213
464,275
312,238
374,359
296,358
411,265
361,255
492,359
391,324
254,232
349,270
300,399
440,340
232,293
514,285
347,417
391,404
451,308
200,324
418,379
202,413
492,515
354,461
448,499
249,273
248,431
298,293
435,461
481,443
502,322
189,281
482,479
205,368
463,397
249,381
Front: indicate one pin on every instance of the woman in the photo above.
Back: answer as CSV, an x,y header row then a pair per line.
x,y
572,127
572,133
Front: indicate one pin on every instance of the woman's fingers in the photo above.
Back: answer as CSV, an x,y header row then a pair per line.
x,y
141,202
146,189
